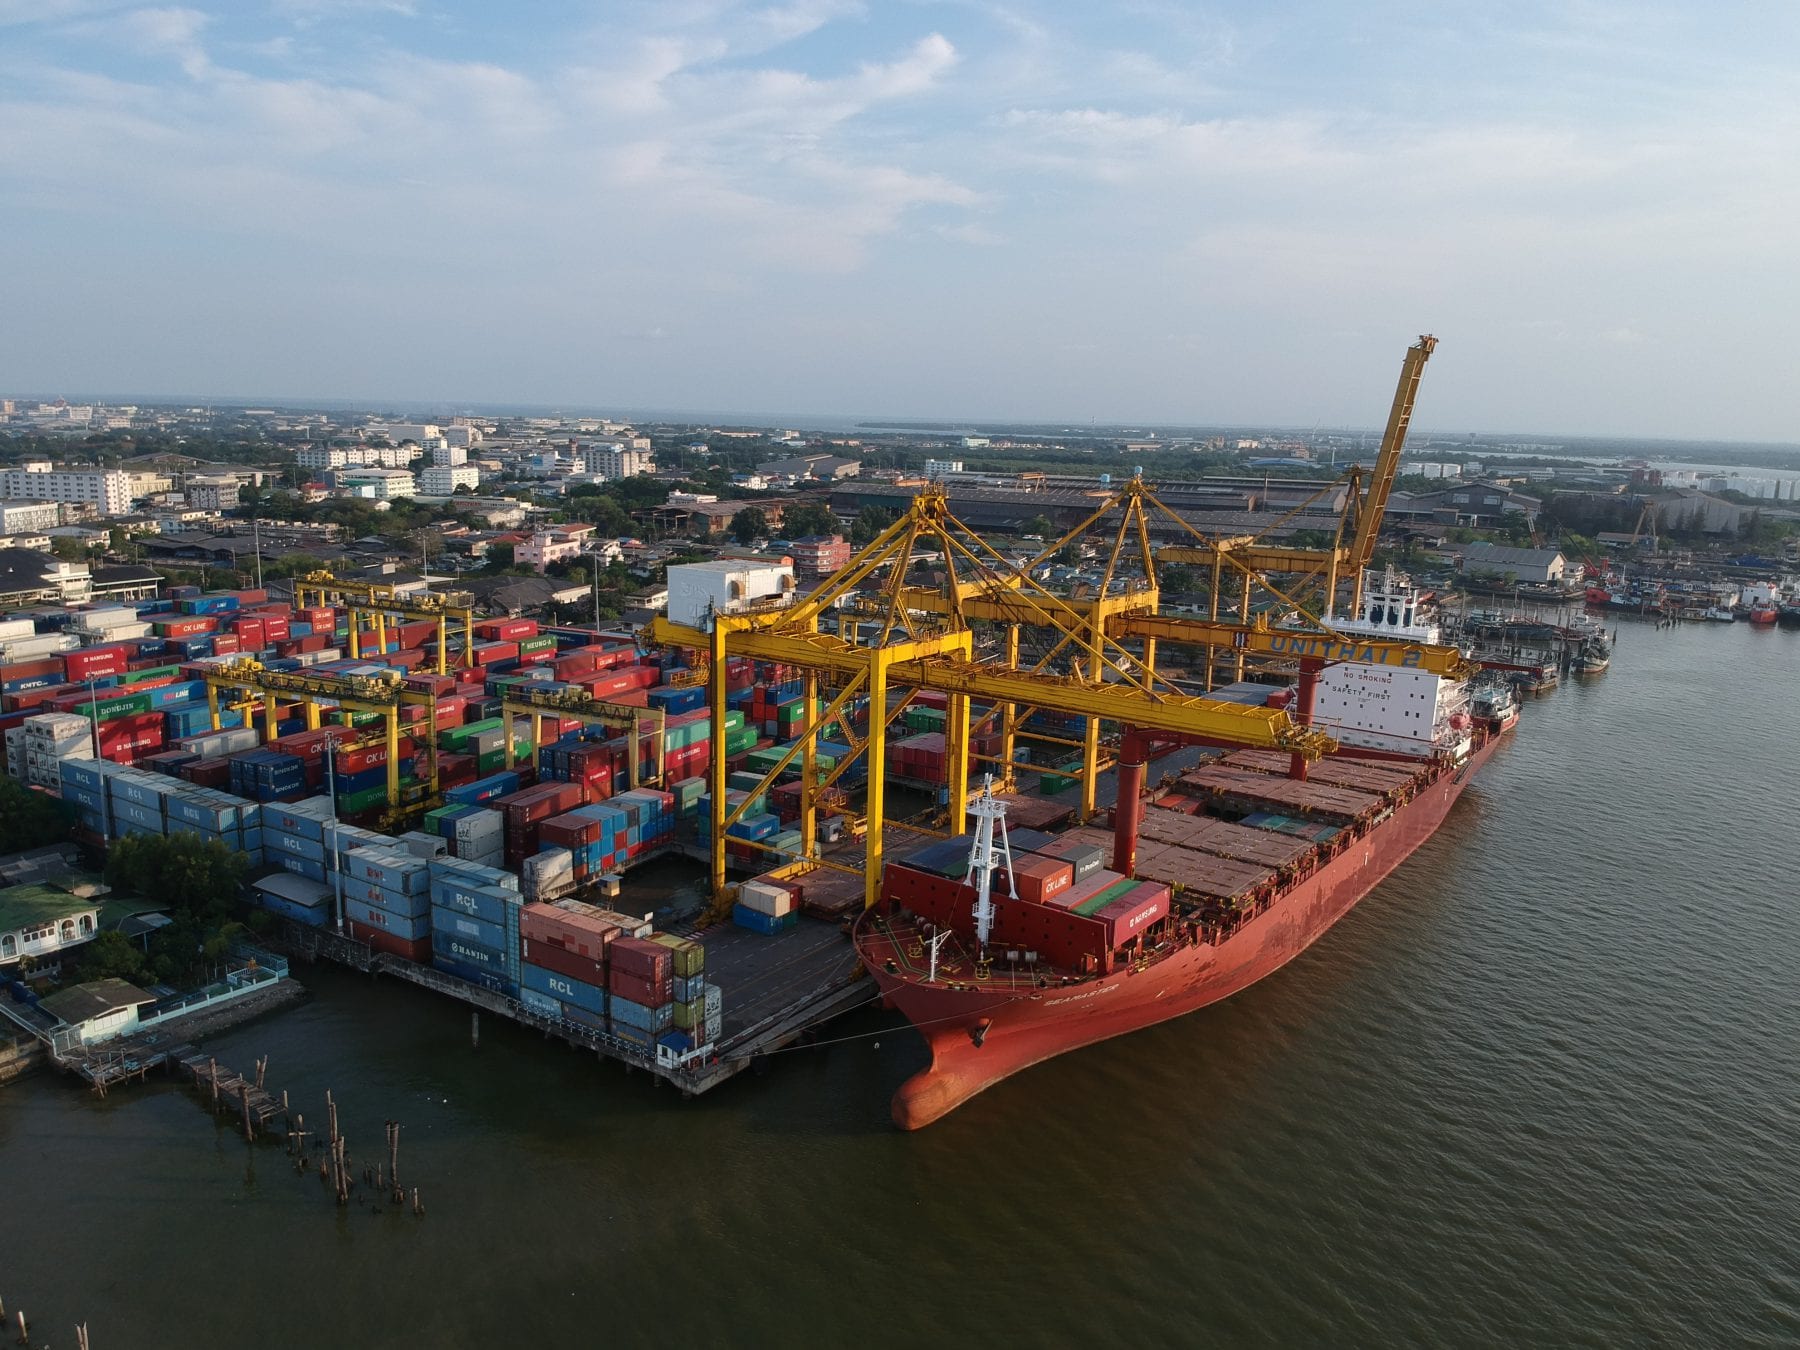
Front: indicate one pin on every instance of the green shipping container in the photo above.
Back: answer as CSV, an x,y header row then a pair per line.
x,y
689,1016
490,761
690,956
1095,903
129,705
542,642
734,719
349,803
741,740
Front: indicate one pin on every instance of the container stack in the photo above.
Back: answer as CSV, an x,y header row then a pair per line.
x,y
766,906
640,986
294,836
49,738
387,901
562,954
475,923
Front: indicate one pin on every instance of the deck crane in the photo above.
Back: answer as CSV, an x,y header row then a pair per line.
x,y
376,600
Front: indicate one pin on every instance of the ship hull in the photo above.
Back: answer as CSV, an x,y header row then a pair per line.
x,y
980,1035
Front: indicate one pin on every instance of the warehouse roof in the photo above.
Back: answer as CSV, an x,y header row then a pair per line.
x,y
96,998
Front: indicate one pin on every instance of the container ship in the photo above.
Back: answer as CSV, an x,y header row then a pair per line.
x,y
1006,950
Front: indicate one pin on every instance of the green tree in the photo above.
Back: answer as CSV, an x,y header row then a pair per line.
x,y
110,955
1040,526
869,523
29,819
748,524
808,518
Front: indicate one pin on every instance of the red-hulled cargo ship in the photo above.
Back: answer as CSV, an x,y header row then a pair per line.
x,y
1254,863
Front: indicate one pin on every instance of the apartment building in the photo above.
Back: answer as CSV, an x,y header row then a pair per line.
x,y
108,491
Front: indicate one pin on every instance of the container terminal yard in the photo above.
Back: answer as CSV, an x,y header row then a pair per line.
x,y
878,775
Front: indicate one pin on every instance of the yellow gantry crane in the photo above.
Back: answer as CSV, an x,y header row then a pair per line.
x,y
914,648
867,631
375,601
382,695
639,724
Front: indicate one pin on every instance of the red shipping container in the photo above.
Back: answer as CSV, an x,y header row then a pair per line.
x,y
24,670
1131,915
573,665
416,949
276,628
207,772
417,635
455,770
495,651
250,598
1040,879
569,831
439,686
560,961
228,644
91,663
250,632
34,699
584,935
643,959
505,630
321,618
650,993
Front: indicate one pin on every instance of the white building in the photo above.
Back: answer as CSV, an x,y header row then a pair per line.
x,y
211,492
611,459
108,491
29,517
381,484
419,433
439,480
462,435
322,457
938,468
449,456
727,586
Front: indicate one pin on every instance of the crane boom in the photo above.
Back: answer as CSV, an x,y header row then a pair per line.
x,y
1387,464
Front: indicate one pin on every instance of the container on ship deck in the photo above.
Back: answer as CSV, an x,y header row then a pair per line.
x,y
563,961
1040,879
1131,915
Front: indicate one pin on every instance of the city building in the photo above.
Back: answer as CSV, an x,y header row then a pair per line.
x,y
562,543
381,484
819,555
40,921
211,492
811,466
439,480
424,434
614,459
449,456
108,491
1522,564
1477,504
21,517
938,468
726,586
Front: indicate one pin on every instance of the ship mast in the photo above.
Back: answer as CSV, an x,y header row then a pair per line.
x,y
985,857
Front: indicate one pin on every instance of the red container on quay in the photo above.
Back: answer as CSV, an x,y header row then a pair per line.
x,y
625,985
91,663
418,949
582,935
562,962
24,670
650,962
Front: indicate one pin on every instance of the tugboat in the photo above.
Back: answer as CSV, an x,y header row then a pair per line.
x,y
1495,707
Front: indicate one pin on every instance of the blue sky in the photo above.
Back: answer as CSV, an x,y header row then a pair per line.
x,y
933,208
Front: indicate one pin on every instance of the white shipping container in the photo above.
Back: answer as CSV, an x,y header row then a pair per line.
x,y
115,616
29,648
478,828
765,899
125,632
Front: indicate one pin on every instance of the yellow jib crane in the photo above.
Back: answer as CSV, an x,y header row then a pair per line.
x,y
374,600
383,695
